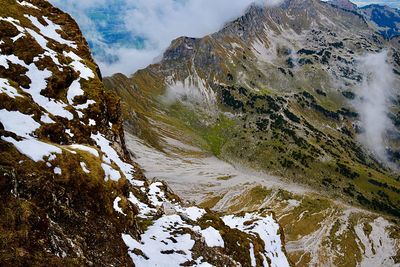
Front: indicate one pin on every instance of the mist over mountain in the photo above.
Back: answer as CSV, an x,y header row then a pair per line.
x,y
120,30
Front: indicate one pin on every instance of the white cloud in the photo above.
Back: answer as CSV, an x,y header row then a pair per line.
x,y
158,22
373,105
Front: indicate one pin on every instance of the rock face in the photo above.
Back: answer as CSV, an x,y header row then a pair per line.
x,y
70,194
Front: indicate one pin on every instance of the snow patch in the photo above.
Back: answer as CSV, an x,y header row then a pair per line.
x,y
18,123
109,154
57,171
24,3
33,148
193,213
212,237
110,172
77,65
50,31
74,91
38,83
144,209
252,256
90,150
267,229
116,207
84,167
45,118
155,194
159,238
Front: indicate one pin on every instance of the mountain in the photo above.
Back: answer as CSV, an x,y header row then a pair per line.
x,y
70,193
266,113
385,19
345,4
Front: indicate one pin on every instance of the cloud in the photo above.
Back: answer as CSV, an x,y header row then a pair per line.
x,y
127,35
155,22
375,92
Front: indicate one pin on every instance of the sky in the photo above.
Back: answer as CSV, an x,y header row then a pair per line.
x,y
127,35
392,3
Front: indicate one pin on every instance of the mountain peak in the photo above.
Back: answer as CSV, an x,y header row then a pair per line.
x,y
345,4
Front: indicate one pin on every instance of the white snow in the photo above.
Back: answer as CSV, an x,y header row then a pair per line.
x,y
20,35
92,122
57,170
155,194
45,118
144,209
50,31
39,38
18,123
14,22
52,157
159,238
38,83
86,105
212,237
110,172
68,131
84,167
379,248
193,213
24,3
252,256
116,207
6,88
74,91
33,148
267,229
111,155
77,65
90,150
43,43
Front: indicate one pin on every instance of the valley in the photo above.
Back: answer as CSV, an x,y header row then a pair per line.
x,y
313,223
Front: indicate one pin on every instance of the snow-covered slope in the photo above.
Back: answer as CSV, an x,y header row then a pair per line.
x,y
70,194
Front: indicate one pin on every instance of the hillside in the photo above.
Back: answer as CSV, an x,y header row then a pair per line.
x,y
279,93
276,96
70,193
